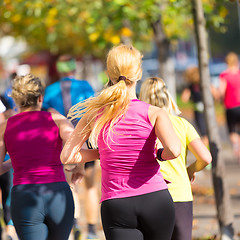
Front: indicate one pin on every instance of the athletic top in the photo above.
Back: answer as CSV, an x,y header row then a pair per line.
x,y
232,94
33,142
175,170
74,91
127,155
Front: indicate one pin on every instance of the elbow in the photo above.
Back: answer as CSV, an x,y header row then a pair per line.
x,y
64,158
173,152
176,151
208,159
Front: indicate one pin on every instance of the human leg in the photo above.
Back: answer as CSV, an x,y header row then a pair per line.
x,y
91,199
76,231
183,221
233,123
156,215
59,207
27,211
149,217
42,210
119,220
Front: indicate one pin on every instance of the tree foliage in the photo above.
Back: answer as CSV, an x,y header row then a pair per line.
x,y
93,26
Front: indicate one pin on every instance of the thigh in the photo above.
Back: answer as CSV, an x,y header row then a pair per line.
x,y
119,220
183,221
59,213
27,211
156,215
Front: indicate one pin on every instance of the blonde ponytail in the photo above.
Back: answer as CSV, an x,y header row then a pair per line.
x,y
154,92
105,108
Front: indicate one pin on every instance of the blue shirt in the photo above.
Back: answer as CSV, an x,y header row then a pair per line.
x,y
80,90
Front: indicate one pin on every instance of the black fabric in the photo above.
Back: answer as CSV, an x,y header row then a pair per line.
x,y
148,216
233,119
42,211
183,221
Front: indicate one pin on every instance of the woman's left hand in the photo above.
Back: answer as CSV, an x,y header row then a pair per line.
x,y
78,172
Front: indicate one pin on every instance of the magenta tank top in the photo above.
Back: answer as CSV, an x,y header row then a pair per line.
x,y
127,155
33,142
232,94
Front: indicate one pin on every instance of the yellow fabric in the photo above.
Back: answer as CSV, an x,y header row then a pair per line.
x,y
175,170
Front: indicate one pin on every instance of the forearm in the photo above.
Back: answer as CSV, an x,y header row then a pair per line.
x,y
88,155
197,166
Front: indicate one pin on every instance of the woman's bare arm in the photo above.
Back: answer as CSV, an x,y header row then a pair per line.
x,y
203,157
72,151
165,133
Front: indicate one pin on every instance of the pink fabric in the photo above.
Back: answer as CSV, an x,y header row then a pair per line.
x,y
34,145
127,156
232,95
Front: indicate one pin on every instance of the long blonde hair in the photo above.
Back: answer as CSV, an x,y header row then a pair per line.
x,y
154,91
123,68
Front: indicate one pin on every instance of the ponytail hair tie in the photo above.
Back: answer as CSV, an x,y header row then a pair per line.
x,y
122,78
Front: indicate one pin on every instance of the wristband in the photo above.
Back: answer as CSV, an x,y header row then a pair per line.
x,y
159,154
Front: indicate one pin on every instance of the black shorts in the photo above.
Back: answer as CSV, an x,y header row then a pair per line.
x,y
233,120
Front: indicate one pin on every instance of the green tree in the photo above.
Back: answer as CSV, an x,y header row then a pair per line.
x,y
222,195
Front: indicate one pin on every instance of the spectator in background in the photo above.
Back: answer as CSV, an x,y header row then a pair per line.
x,y
61,96
229,92
41,200
176,172
193,92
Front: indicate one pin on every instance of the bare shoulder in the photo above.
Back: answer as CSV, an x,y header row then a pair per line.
x,y
60,120
57,116
155,112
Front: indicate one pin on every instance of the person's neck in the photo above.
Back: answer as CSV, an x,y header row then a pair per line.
x,y
30,109
233,69
132,92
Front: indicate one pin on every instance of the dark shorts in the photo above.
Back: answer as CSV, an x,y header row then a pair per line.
x,y
233,120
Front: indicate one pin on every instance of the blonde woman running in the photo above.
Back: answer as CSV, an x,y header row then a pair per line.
x,y
135,201
154,91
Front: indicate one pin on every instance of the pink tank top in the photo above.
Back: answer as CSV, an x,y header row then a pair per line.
x,y
127,155
33,142
232,94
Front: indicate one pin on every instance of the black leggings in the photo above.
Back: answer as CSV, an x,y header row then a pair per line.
x,y
150,217
42,211
183,221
